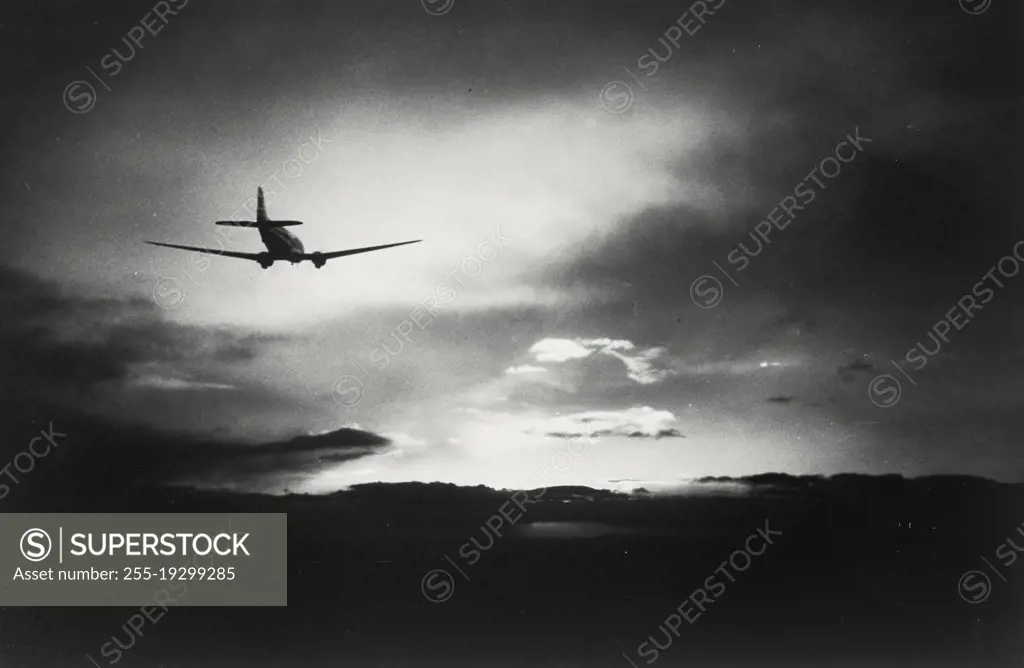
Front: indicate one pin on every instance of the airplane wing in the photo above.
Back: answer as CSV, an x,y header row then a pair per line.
x,y
354,251
212,251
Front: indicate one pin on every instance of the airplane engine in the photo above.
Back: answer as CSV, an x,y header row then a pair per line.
x,y
318,260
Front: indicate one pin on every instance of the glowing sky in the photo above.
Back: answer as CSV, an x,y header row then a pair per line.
x,y
551,295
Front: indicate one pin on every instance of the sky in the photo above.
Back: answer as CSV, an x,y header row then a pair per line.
x,y
655,246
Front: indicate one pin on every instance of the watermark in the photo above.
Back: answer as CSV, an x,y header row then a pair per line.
x,y
110,559
707,291
346,391
169,594
885,389
739,560
215,179
438,585
349,389
567,455
169,291
114,649
975,586
975,7
25,461
437,7
443,294
617,96
80,95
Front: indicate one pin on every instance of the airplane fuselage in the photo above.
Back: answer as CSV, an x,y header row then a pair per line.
x,y
282,244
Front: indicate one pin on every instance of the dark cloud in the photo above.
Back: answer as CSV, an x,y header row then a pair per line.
x,y
74,362
662,433
59,344
272,465
850,371
598,433
100,454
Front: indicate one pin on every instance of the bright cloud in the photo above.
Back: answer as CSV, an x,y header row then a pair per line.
x,y
559,350
635,422
551,181
639,366
525,368
170,382
739,367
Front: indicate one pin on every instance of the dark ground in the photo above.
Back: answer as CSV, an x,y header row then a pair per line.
x,y
865,574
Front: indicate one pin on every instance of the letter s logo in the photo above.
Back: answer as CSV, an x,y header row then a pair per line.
x,y
36,545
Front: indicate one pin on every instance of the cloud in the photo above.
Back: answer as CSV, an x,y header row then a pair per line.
x,y
639,366
650,366
607,344
97,451
159,376
559,350
525,368
72,340
123,358
499,193
170,383
737,367
272,465
861,365
636,422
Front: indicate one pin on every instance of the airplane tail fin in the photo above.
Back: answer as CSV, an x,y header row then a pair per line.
x,y
261,208
261,217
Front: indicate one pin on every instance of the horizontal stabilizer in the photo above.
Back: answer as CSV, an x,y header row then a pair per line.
x,y
238,223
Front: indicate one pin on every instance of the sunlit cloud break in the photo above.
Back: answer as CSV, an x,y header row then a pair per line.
x,y
525,368
639,366
635,422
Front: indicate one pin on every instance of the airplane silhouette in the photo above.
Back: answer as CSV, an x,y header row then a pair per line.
x,y
281,244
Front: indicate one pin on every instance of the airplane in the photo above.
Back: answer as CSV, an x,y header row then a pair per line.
x,y
281,244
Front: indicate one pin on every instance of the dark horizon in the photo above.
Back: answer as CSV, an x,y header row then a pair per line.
x,y
861,571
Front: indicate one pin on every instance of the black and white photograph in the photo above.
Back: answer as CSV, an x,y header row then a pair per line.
x,y
512,334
